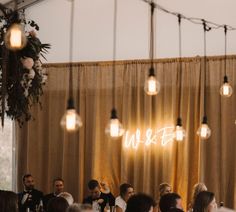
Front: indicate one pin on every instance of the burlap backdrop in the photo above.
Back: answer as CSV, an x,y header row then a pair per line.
x,y
44,150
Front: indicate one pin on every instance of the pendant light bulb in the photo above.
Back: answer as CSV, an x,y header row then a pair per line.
x,y
179,131
152,85
71,120
15,38
204,131
114,129
226,90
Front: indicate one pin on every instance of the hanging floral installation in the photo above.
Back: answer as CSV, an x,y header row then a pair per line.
x,y
22,76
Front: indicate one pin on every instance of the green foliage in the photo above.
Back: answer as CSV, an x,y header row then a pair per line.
x,y
25,76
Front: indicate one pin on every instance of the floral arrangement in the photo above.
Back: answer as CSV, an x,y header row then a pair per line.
x,y
22,76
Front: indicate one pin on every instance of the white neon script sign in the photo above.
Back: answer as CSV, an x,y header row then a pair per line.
x,y
164,135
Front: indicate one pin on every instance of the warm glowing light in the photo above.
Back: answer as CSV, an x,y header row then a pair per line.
x,y
164,135
15,38
179,133
114,128
71,121
226,90
152,86
204,131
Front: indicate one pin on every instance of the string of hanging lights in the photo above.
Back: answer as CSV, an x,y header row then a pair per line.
x,y
204,131
179,130
152,86
193,20
226,90
71,120
114,128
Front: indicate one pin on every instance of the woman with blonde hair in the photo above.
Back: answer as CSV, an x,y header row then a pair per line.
x,y
197,188
164,188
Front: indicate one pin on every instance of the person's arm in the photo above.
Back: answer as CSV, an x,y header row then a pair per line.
x,y
118,209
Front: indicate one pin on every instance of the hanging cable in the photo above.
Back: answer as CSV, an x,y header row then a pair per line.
x,y
114,54
71,49
205,66
152,86
225,31
179,130
226,89
204,131
190,19
152,34
180,64
114,128
71,121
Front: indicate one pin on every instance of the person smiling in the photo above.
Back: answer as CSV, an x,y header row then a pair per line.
x,y
126,191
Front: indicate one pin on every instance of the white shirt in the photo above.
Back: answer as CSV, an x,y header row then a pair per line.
x,y
121,203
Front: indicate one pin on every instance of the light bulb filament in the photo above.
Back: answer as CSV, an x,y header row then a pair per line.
x,y
151,85
70,121
114,129
15,38
203,131
226,90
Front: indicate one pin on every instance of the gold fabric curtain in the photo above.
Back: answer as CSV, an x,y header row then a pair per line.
x,y
44,150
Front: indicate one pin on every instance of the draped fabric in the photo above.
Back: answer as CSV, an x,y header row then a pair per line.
x,y
46,151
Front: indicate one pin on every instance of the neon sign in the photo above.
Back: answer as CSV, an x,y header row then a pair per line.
x,y
133,140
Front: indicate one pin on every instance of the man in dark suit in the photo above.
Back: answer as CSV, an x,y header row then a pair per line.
x,y
30,197
97,198
58,187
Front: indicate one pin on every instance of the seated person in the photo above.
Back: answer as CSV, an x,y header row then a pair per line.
x,y
170,201
67,196
126,191
205,201
8,201
164,188
80,208
197,188
57,204
140,203
30,197
97,198
58,187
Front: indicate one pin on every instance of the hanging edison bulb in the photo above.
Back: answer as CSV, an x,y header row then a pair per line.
x,y
114,129
226,90
179,131
71,121
15,38
204,131
152,85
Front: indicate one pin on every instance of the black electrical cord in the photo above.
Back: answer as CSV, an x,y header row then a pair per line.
x,y
191,19
179,120
225,77
206,29
151,70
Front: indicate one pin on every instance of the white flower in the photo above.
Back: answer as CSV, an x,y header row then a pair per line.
x,y
22,82
29,83
38,64
31,74
44,78
27,62
26,93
